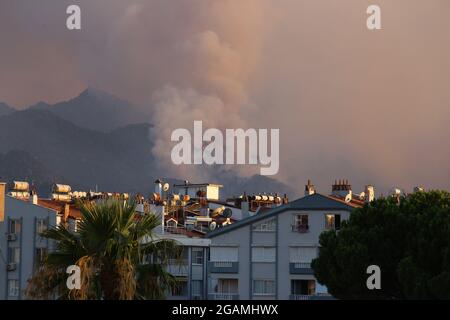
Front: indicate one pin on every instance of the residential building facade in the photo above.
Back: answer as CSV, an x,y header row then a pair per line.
x,y
268,255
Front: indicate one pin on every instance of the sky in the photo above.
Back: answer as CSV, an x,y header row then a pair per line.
x,y
368,106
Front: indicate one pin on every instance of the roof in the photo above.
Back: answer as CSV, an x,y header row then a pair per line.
x,y
315,201
58,206
198,185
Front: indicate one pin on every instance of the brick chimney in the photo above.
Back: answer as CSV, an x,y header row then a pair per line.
x,y
369,194
341,189
309,189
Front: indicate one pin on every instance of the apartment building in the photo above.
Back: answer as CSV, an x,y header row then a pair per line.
x,y
268,255
21,247
190,270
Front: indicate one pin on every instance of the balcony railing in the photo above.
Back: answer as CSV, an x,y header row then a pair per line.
x,y
300,297
311,297
223,296
300,268
223,266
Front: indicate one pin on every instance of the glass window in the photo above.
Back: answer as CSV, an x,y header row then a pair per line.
x,y
197,256
224,286
40,255
13,288
303,287
14,255
263,254
300,223
332,221
302,254
263,287
180,288
226,254
41,225
197,288
14,226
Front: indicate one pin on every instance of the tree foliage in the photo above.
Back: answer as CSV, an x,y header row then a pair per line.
x,y
408,238
117,252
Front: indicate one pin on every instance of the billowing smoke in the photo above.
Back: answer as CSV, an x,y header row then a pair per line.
x,y
370,106
196,57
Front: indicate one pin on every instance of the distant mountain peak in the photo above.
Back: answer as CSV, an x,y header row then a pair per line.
x,y
5,109
100,95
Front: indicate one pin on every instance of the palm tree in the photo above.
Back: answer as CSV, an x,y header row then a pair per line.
x,y
117,252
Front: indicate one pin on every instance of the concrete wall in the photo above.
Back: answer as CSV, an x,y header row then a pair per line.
x,y
27,240
282,238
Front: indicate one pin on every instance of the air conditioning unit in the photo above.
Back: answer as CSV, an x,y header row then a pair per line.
x,y
12,237
11,266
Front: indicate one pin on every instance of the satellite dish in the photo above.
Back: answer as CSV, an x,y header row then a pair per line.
x,y
166,187
227,213
212,226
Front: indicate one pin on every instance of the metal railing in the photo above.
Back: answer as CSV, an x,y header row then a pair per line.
x,y
223,296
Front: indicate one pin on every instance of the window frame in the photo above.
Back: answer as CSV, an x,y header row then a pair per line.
x,y
12,256
265,291
265,255
16,288
199,254
299,222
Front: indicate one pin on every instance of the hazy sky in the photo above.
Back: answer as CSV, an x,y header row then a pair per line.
x,y
369,106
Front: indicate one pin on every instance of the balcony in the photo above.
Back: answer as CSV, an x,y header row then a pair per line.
x,y
178,268
311,297
300,268
223,296
223,266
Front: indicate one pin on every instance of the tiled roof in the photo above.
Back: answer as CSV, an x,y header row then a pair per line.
x,y
74,212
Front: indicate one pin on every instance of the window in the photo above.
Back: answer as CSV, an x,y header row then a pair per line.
x,y
180,288
14,255
266,226
197,288
263,254
40,255
41,225
300,223
302,254
228,254
303,287
13,288
264,287
224,286
332,221
197,256
14,226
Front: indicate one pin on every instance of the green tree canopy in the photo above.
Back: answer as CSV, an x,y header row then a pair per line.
x,y
117,252
408,238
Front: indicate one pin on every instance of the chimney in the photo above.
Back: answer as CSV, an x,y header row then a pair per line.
x,y
309,189
369,194
341,189
34,197
2,201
